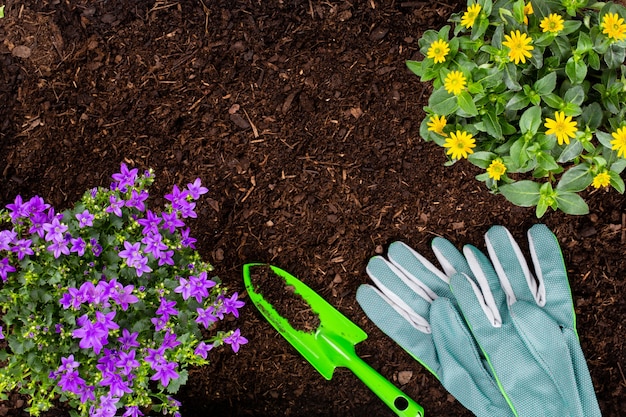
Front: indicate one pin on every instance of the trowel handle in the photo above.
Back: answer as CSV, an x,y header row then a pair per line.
x,y
391,395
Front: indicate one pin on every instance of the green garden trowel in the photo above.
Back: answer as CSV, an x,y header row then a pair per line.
x,y
331,345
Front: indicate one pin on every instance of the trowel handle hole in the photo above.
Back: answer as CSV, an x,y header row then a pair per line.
x,y
401,403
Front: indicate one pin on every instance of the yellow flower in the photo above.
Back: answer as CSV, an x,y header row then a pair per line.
x,y
460,144
603,179
496,169
519,46
455,82
613,26
436,124
438,51
528,10
619,142
552,23
562,127
469,17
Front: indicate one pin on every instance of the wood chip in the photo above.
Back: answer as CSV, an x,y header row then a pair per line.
x,y
21,51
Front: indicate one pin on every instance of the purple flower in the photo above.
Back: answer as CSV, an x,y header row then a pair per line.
x,y
200,285
125,177
71,381
202,349
165,372
128,340
59,247
140,265
166,257
37,205
154,244
232,305
105,320
1,334
85,219
22,248
115,206
159,322
131,252
136,200
5,268
155,357
184,288
68,364
55,230
115,382
38,220
166,309
187,241
86,393
96,249
18,209
78,246
187,210
132,411
177,197
107,407
124,296
235,340
171,221
150,223
6,238
107,361
169,340
91,335
196,189
206,316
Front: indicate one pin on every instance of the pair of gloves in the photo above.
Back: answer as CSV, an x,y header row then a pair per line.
x,y
501,339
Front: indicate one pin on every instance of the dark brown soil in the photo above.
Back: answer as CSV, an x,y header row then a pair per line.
x,y
302,119
284,299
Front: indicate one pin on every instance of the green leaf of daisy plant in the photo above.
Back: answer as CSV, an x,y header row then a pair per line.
x,y
523,193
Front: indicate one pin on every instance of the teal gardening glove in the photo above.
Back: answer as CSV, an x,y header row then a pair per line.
x,y
526,325
534,375
412,303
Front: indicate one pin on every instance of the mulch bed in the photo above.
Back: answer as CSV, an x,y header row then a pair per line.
x,y
303,120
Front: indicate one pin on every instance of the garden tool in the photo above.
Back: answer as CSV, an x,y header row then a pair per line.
x,y
412,303
526,324
331,345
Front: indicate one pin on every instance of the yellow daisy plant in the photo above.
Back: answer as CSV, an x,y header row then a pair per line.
x,y
437,124
496,169
552,23
519,45
455,82
459,144
438,51
528,10
469,17
613,26
619,142
603,179
562,127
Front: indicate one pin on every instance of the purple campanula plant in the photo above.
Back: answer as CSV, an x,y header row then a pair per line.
x,y
107,304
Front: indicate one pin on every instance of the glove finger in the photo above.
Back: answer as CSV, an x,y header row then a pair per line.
x,y
389,320
516,279
465,373
548,347
552,275
451,260
583,378
486,285
418,269
413,300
